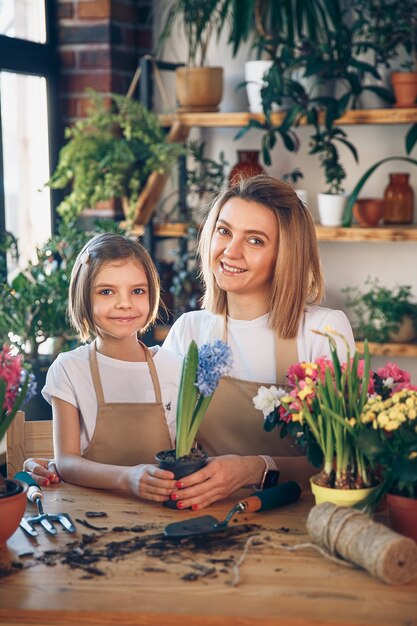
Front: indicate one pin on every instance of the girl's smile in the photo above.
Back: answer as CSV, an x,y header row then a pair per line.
x,y
121,300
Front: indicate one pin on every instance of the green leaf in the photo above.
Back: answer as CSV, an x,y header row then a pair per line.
x,y
187,399
411,138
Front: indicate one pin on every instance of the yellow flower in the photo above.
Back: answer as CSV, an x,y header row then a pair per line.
x,y
392,425
352,421
303,393
383,419
412,455
412,413
310,368
297,417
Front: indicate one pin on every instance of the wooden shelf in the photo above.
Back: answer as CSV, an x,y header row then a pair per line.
x,y
389,349
360,233
238,120
177,229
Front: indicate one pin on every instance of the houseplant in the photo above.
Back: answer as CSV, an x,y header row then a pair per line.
x,y
383,314
110,154
322,411
201,372
390,441
198,87
16,386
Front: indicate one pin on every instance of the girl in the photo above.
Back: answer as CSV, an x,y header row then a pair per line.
x,y
263,281
113,401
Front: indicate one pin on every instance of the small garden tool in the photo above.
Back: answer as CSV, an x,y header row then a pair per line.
x,y
259,501
46,520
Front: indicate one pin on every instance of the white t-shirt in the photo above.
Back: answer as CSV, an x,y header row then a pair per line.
x,y
252,341
69,378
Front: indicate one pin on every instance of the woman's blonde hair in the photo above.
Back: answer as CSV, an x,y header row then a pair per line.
x,y
99,250
298,278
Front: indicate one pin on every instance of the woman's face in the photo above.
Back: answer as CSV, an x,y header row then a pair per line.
x,y
244,248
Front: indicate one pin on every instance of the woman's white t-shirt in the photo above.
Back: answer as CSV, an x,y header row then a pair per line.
x,y
69,378
252,342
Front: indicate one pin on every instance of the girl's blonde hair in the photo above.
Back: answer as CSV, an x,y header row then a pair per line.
x,y
298,278
100,250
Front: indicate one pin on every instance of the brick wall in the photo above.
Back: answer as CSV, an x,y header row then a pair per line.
x,y
99,43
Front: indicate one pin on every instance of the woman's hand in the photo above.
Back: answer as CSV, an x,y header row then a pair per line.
x,y
221,477
150,482
42,470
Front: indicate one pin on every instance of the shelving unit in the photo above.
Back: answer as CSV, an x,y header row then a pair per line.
x,y
325,234
237,120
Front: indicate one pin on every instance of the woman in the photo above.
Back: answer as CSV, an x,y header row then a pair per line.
x,y
263,281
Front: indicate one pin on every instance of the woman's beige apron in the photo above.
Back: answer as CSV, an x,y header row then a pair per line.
x,y
127,433
232,425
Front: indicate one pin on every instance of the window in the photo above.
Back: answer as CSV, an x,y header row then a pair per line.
x,y
27,107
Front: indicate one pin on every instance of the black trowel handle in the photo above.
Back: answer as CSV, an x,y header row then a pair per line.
x,y
286,493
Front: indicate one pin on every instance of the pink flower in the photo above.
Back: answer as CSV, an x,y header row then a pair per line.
x,y
10,372
295,373
405,385
391,370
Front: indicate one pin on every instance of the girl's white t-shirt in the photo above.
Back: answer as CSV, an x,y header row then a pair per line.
x,y
252,342
69,378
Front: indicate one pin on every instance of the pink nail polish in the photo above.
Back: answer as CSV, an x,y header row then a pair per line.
x,y
195,507
179,484
180,505
174,496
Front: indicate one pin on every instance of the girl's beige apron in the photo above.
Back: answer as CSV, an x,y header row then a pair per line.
x,y
127,433
232,425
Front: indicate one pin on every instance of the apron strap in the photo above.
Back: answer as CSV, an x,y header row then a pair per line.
x,y
152,372
286,354
95,374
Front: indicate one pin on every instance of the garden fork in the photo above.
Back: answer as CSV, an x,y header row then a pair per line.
x,y
46,520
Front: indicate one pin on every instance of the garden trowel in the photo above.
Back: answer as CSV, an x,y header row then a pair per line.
x,y
260,501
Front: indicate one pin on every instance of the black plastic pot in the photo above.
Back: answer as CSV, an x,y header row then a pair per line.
x,y
181,467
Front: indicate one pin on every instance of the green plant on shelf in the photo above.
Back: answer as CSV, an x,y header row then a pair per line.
x,y
380,310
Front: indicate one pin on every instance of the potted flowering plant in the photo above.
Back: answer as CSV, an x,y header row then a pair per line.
x,y
16,386
322,411
201,372
390,441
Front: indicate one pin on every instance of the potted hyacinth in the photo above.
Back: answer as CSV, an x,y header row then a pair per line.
x,y
323,412
201,372
16,387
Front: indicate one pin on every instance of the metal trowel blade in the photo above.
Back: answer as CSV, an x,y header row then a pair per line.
x,y
196,526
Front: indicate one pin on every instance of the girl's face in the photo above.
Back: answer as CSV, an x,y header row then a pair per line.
x,y
244,248
121,299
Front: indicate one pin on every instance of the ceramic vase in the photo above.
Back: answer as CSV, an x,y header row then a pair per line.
x,y
247,166
340,497
12,508
403,515
399,199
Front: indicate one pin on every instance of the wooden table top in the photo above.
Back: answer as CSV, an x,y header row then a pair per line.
x,y
131,575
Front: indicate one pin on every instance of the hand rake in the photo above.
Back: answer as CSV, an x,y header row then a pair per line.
x,y
46,520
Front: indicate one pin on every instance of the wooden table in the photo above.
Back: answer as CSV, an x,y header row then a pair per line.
x,y
163,583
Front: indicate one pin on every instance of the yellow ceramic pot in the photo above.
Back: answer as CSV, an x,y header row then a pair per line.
x,y
340,497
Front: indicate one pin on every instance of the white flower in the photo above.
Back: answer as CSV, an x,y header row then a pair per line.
x,y
268,399
388,382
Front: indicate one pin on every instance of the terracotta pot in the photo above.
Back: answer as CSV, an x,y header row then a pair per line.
x,y
199,88
247,166
12,508
404,85
180,467
403,515
369,211
406,332
340,497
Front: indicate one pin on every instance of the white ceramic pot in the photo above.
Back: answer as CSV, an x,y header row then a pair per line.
x,y
331,208
254,77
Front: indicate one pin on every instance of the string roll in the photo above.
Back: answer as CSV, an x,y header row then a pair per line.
x,y
352,535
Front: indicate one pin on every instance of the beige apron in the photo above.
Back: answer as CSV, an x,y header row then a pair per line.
x,y
127,433
232,425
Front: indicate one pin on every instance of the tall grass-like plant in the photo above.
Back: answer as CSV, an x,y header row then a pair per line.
x,y
201,373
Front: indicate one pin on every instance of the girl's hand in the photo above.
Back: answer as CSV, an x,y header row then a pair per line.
x,y
42,470
221,477
150,482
